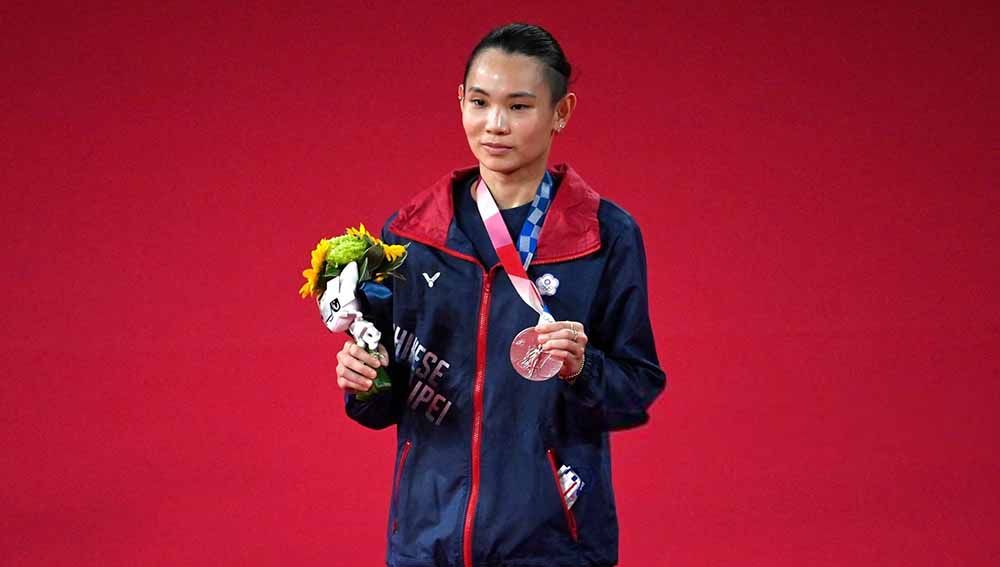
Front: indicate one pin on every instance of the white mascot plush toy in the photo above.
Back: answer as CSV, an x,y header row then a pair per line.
x,y
341,310
338,306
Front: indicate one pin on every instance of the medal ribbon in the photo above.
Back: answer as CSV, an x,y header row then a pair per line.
x,y
516,260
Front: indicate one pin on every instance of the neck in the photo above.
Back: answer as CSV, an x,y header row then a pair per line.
x,y
514,188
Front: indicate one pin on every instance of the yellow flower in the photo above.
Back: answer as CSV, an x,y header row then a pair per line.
x,y
312,274
361,233
393,251
307,288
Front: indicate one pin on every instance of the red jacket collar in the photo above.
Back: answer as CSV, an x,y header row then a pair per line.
x,y
570,230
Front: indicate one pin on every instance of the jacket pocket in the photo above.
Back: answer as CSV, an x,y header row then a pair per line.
x,y
570,519
395,485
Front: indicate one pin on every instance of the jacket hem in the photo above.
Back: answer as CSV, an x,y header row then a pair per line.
x,y
540,562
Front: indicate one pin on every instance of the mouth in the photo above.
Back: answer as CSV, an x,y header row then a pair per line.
x,y
496,149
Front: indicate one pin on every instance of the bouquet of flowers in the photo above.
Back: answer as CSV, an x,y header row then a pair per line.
x,y
340,266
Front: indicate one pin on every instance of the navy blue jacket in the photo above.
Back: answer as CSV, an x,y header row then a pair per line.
x,y
479,447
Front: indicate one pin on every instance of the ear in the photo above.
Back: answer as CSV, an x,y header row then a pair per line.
x,y
564,109
461,95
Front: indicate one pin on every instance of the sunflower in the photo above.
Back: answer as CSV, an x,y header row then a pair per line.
x,y
312,274
360,232
393,251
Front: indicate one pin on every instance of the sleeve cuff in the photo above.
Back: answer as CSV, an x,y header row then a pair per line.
x,y
586,387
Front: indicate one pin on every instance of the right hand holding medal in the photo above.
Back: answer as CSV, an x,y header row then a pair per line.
x,y
566,341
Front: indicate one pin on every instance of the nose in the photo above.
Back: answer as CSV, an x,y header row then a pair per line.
x,y
496,123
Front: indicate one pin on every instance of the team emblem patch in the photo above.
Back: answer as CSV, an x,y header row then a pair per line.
x,y
547,284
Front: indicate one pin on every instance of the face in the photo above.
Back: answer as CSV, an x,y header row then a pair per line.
x,y
507,111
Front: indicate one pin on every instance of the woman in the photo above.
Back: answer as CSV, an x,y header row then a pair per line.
x,y
493,468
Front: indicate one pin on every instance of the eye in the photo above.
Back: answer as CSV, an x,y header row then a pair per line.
x,y
519,106
478,102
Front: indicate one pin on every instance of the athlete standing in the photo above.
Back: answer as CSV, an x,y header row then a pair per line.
x,y
515,271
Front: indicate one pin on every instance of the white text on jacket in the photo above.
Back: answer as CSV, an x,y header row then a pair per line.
x,y
428,368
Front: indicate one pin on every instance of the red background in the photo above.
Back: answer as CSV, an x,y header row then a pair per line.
x,y
816,186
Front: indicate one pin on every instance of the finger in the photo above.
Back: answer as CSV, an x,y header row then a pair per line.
x,y
560,354
561,333
555,326
352,388
549,327
347,350
349,362
575,349
577,336
351,375
347,385
349,379
559,325
361,368
361,354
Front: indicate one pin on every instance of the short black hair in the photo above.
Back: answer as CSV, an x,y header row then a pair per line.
x,y
533,41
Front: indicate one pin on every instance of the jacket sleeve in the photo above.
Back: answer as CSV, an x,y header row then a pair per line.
x,y
621,375
382,410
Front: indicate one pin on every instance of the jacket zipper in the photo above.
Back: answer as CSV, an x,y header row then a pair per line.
x,y
395,485
477,415
570,519
477,392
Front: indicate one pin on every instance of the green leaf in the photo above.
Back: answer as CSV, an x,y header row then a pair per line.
x,y
331,271
375,256
395,264
363,274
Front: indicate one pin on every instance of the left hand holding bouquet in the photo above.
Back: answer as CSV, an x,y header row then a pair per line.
x,y
340,267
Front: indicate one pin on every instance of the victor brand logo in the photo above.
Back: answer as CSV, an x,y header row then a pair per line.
x,y
431,279
428,370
